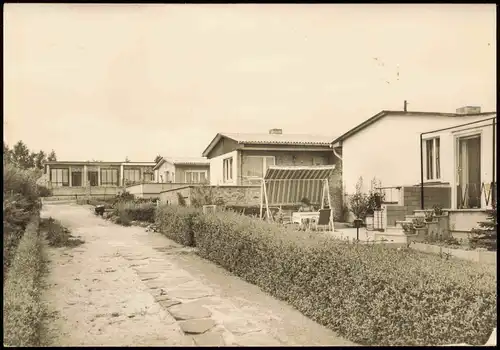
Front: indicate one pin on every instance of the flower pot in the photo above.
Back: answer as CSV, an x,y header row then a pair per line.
x,y
369,222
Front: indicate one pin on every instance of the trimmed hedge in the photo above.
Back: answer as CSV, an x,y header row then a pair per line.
x,y
132,211
370,294
22,312
176,222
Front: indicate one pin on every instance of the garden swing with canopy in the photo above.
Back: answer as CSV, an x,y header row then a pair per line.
x,y
288,185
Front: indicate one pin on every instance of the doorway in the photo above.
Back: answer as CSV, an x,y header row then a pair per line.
x,y
469,172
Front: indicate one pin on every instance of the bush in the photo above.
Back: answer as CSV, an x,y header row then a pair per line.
x,y
176,222
370,294
22,313
132,211
57,235
20,203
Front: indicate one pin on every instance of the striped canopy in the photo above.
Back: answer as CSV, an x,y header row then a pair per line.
x,y
290,184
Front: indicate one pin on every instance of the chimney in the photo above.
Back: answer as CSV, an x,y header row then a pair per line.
x,y
276,131
469,110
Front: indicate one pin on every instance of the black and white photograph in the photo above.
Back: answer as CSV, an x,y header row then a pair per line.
x,y
305,174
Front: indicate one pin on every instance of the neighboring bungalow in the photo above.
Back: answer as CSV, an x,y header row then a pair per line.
x,y
171,173
96,178
387,146
242,159
182,170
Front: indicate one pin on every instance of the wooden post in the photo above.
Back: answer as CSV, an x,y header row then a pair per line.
x,y
267,202
327,188
261,197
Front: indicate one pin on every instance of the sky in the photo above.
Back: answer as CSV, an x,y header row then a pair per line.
x,y
107,82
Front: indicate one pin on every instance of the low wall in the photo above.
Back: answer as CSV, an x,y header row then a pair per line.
x,y
395,213
73,192
482,257
153,190
464,220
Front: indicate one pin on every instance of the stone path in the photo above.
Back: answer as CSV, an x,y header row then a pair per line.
x,y
125,286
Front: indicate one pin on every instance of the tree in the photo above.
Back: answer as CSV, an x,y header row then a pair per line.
x,y
486,235
52,156
21,155
359,201
40,158
6,153
158,158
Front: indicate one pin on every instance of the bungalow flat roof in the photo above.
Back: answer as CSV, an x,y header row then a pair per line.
x,y
87,162
271,139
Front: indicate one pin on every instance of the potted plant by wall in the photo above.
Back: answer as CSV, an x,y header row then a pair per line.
x,y
438,210
429,216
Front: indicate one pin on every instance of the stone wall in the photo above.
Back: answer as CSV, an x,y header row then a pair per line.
x,y
395,213
247,196
171,196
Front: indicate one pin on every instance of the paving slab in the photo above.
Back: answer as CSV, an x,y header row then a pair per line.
x,y
197,326
189,311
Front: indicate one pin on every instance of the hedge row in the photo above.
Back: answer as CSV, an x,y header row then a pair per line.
x,y
22,312
370,294
176,223
132,211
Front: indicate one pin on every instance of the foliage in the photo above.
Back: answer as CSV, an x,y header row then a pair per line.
x,y
134,211
408,228
204,195
52,156
429,215
486,235
20,203
375,196
418,222
181,200
438,210
370,294
358,202
176,222
57,235
23,310
22,157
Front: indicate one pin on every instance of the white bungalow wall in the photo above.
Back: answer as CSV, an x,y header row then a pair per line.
x,y
216,169
389,150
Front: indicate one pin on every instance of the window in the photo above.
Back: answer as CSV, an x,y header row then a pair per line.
x,y
196,176
318,161
59,177
76,177
227,169
432,159
167,176
148,177
93,177
109,177
256,166
132,175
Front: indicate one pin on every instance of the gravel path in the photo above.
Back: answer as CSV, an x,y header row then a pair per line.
x,y
126,286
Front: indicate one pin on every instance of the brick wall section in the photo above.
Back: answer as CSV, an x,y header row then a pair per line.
x,y
432,196
395,213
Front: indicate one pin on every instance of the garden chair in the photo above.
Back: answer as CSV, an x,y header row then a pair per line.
x,y
324,219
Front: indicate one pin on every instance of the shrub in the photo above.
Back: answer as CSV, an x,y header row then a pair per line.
x,y
22,312
133,211
370,294
181,201
486,235
176,222
57,235
358,202
20,203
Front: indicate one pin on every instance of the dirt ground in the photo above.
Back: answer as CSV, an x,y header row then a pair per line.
x,y
127,287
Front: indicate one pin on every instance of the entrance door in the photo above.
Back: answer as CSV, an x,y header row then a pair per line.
x,y
469,172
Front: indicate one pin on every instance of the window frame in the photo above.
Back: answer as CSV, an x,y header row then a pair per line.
x,y
432,173
264,167
104,179
127,172
76,170
195,172
227,169
61,183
